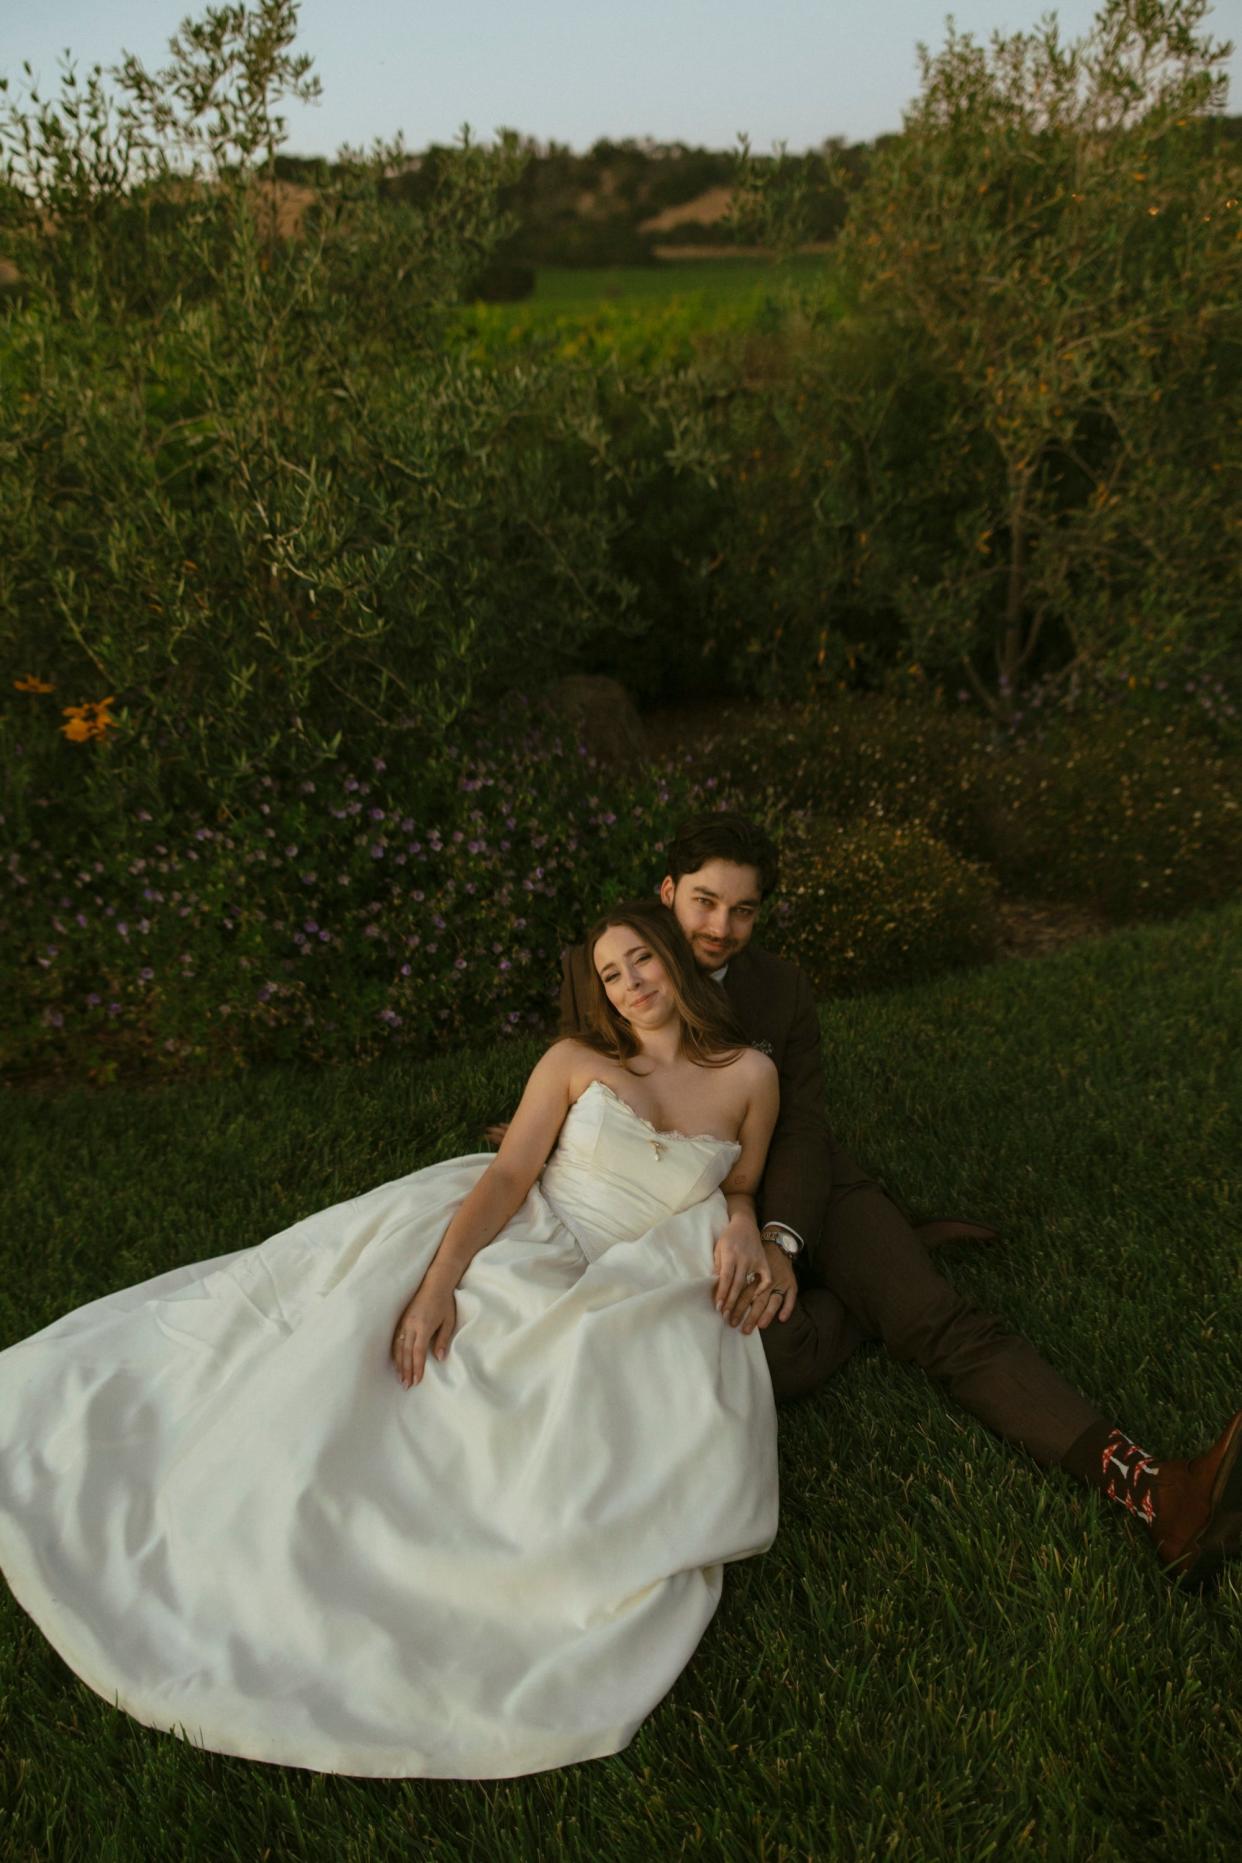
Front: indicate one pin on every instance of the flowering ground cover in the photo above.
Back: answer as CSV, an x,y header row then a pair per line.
x,y
332,915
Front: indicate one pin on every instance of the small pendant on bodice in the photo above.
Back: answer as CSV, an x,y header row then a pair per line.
x,y
658,1147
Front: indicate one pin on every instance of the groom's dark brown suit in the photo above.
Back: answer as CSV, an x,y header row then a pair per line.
x,y
863,1273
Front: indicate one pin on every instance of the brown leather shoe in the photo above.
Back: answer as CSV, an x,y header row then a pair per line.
x,y
1198,1523
937,1229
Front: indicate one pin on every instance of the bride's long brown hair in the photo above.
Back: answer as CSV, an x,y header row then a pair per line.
x,y
710,1033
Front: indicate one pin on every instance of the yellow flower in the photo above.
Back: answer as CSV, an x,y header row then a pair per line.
x,y
32,683
89,720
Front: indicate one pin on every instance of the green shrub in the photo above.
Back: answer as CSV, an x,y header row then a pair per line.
x,y
1135,817
876,903
1116,806
859,755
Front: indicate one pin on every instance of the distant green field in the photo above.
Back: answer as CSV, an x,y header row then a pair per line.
x,y
643,313
567,287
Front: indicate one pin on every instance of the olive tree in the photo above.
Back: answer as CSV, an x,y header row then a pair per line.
x,y
1055,236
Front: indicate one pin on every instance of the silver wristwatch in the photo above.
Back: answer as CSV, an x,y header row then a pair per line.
x,y
772,1232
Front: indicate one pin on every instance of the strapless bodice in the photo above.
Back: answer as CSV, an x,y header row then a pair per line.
x,y
613,1175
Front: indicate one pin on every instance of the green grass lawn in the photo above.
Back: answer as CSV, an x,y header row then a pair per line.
x,y
947,1653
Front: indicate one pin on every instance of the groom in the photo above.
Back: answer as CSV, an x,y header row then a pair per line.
x,y
848,1264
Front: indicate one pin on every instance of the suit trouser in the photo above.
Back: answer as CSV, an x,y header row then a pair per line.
x,y
869,1277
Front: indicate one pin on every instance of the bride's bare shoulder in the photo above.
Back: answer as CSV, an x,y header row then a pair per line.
x,y
758,1072
568,1057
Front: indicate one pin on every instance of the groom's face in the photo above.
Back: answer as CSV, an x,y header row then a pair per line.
x,y
716,908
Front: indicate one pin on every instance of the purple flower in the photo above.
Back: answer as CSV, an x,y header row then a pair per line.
x,y
310,925
94,999
405,970
291,851
325,937
146,973
377,815
460,964
377,852
122,928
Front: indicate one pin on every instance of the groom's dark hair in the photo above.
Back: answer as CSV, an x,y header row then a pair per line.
x,y
723,836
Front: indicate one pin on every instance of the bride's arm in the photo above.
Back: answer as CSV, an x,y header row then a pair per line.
x,y
430,1316
739,1250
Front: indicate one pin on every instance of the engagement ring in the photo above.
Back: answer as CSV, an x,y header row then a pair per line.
x,y
751,1278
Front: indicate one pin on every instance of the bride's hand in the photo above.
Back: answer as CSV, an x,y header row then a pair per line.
x,y
427,1323
739,1253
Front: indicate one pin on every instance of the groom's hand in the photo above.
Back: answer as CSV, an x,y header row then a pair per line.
x,y
494,1134
768,1307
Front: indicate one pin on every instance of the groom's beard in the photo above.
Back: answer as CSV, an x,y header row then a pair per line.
x,y
708,957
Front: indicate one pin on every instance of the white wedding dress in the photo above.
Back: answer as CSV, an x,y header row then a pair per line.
x,y
225,1512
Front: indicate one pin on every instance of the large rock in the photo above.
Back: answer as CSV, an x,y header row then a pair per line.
x,y
605,716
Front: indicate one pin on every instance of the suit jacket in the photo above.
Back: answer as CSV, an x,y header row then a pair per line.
x,y
772,1000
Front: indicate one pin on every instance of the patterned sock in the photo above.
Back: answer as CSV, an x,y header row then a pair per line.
x,y
1110,1461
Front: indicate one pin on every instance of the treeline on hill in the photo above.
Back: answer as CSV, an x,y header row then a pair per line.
x,y
596,208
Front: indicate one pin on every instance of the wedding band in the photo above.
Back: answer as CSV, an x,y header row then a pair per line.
x,y
751,1278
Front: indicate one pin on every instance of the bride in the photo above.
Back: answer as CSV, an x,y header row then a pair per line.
x,y
235,1522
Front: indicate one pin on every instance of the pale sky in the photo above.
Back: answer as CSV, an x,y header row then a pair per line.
x,y
575,70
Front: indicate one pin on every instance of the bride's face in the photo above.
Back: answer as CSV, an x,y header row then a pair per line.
x,y
634,979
